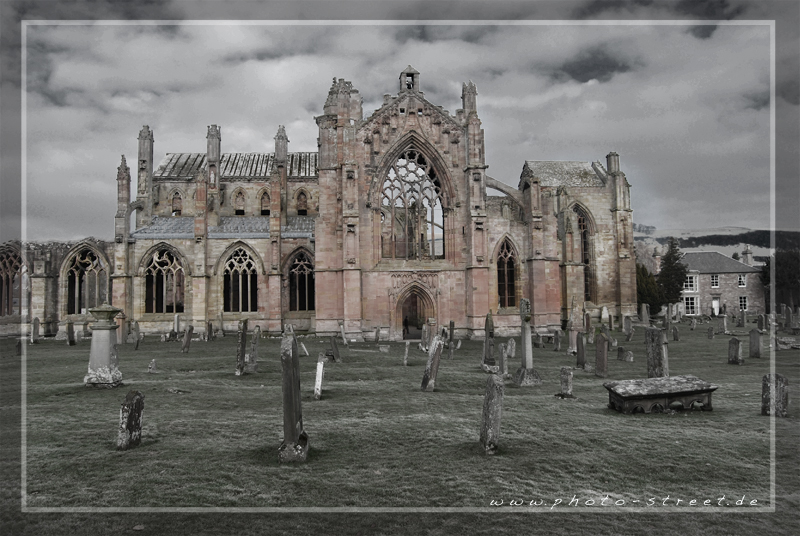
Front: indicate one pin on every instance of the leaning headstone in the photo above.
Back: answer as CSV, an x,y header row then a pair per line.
x,y
103,371
458,345
151,368
620,353
693,324
492,414
241,344
130,421
710,332
70,333
526,375
755,343
35,330
657,355
336,357
303,347
344,338
581,352
432,367
187,339
566,383
629,336
601,356
774,395
318,381
735,352
488,343
675,335
405,356
557,340
137,336
295,440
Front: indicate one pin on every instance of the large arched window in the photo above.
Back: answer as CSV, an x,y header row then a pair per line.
x,y
164,284
240,283
177,204
265,204
87,282
412,220
584,233
301,284
506,276
10,282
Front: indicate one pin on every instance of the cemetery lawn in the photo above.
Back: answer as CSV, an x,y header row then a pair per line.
x,y
377,441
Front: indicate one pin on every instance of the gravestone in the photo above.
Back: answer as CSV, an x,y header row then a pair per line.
x,y
405,356
121,330
130,421
187,339
137,336
761,322
629,336
581,352
176,324
644,313
70,333
503,357
492,414
294,447
488,343
573,338
511,348
458,344
526,375
344,338
19,346
103,362
450,339
587,322
629,356
538,342
318,381
151,368
566,383
557,340
241,345
627,325
423,344
724,327
678,314
221,326
657,355
668,319
35,330
741,319
601,356
755,343
774,395
377,335
251,359
432,367
336,357
611,342
735,352
210,331
620,353
431,331
693,324
710,332
675,335
611,322
604,315
303,347
590,336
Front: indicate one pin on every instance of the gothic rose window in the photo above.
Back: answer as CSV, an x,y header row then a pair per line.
x,y
164,284
177,204
301,284
238,204
411,210
10,282
87,282
265,204
506,288
240,283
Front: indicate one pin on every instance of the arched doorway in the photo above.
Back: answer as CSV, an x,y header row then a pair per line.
x,y
414,308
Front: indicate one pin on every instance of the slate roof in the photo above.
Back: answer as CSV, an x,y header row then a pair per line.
x,y
185,166
712,262
565,173
240,227
164,227
167,227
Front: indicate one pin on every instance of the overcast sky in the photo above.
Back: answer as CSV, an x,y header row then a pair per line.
x,y
686,106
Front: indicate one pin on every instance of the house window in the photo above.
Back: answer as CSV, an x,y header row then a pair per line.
x,y
302,204
742,280
714,280
301,284
87,282
240,283
177,204
690,284
10,282
506,289
265,204
164,284
413,221
743,303
238,204
690,305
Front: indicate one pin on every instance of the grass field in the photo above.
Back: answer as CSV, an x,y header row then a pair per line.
x,y
208,457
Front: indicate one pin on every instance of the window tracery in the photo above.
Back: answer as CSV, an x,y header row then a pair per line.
x,y
240,283
87,282
506,275
164,283
301,284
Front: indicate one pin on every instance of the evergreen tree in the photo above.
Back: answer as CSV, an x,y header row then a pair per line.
x,y
647,290
787,277
673,273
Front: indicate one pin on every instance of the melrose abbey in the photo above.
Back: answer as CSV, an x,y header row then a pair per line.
x,y
387,226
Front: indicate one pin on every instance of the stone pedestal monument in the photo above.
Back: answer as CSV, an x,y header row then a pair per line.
x,y
526,374
103,371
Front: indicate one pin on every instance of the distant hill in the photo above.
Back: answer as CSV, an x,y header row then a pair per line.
x,y
761,239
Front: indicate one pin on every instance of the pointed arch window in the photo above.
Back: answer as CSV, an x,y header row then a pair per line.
x,y
238,203
87,282
506,276
584,233
302,204
301,284
265,203
164,283
10,282
240,283
412,217
177,204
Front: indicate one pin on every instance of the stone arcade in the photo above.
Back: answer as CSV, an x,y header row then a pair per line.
x,y
392,217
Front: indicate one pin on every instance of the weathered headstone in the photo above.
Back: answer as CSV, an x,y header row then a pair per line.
x,y
130,421
755,343
657,355
774,395
724,327
668,319
741,319
405,356
590,336
604,315
176,324
611,322
336,357
423,344
187,338
693,324
678,313
789,318
566,383
70,333
151,368
450,339
629,356
432,367
761,322
488,343
103,371
710,332
511,348
318,381
377,335
587,322
557,340
526,375
620,353
627,325
458,344
581,352
241,345
295,440
35,330
573,338
121,334
538,342
221,326
675,335
344,337
137,336
644,313
303,347
629,336
601,356
492,414
502,356
735,352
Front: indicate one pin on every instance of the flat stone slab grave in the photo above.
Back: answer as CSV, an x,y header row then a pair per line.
x,y
653,395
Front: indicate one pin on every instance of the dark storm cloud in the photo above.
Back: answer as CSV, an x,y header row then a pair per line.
x,y
709,9
757,101
703,31
593,64
597,7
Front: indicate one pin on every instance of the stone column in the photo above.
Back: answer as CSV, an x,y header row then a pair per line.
x,y
566,383
735,352
657,356
581,352
526,375
121,335
103,371
488,343
130,421
35,330
241,346
775,395
492,414
432,367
